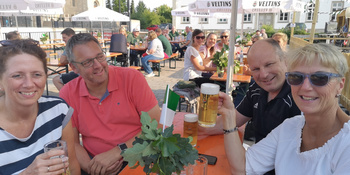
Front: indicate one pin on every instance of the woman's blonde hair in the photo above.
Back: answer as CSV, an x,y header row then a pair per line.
x,y
328,55
282,35
152,35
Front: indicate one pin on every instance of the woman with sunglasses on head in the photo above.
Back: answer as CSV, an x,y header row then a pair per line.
x,y
316,142
29,120
207,52
225,38
193,66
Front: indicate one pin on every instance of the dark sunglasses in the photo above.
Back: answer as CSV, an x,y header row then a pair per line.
x,y
316,79
222,36
200,37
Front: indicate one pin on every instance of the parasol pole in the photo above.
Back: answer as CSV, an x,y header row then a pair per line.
x,y
229,81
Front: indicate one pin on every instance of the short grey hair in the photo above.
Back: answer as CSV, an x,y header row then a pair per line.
x,y
278,50
328,55
81,38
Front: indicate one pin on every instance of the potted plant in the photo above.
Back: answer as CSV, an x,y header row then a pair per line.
x,y
220,59
44,38
159,152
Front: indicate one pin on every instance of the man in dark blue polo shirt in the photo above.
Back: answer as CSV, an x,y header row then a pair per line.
x,y
268,101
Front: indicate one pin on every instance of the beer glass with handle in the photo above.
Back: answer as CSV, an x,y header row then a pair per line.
x,y
208,104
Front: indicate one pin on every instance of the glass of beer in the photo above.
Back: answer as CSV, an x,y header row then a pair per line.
x,y
190,127
61,145
208,104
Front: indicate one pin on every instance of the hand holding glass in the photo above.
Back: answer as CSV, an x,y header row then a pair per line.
x,y
208,104
60,145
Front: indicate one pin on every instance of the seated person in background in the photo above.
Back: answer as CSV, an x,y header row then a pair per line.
x,y
187,43
166,33
282,40
315,142
14,35
207,52
107,102
263,34
193,66
60,80
154,51
257,33
28,120
165,42
172,34
133,39
122,31
225,38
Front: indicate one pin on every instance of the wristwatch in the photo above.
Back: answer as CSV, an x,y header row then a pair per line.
x,y
122,146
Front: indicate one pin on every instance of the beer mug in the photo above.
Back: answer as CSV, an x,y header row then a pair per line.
x,y
190,127
208,104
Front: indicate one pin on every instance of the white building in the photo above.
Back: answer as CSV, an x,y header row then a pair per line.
x,y
255,21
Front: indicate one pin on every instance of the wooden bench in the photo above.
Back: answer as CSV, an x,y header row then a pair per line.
x,y
135,67
156,63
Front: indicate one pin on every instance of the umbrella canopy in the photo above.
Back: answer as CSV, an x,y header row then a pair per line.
x,y
185,12
100,14
39,12
11,5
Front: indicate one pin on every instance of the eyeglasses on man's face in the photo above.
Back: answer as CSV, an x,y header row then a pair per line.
x,y
223,36
89,62
200,37
316,79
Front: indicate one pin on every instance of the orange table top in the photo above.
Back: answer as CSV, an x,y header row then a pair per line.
x,y
236,78
113,54
138,48
209,145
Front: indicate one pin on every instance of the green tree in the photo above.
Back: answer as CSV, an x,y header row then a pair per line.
x,y
164,12
123,6
132,7
108,4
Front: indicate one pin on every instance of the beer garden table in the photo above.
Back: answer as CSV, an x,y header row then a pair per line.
x,y
209,145
54,67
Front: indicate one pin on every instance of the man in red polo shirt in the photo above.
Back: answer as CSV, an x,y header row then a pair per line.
x,y
107,102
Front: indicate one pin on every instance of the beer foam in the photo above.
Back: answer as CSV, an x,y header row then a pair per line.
x,y
191,118
210,88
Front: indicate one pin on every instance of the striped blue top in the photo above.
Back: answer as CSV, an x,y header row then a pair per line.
x,y
16,154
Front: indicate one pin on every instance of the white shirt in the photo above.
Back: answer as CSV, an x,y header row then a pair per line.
x,y
156,45
281,150
190,71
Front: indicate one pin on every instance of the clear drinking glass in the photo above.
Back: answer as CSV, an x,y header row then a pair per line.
x,y
59,145
199,168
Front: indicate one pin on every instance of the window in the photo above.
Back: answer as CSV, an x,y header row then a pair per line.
x,y
247,18
310,12
336,6
73,3
185,20
203,21
222,21
284,17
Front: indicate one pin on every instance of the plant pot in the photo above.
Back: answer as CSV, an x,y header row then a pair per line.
x,y
220,72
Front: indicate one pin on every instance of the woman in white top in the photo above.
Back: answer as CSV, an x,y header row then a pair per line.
x,y
207,52
154,51
316,142
193,65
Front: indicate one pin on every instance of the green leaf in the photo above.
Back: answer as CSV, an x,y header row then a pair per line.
x,y
134,154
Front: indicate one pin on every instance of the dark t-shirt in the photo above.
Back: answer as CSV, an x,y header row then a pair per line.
x,y
166,45
267,115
